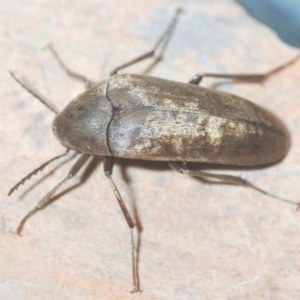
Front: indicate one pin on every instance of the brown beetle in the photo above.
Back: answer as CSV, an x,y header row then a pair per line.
x,y
141,117
149,118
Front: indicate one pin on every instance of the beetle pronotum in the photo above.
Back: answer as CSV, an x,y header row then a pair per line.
x,y
141,117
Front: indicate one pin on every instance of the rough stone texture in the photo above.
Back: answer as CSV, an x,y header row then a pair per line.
x,y
199,241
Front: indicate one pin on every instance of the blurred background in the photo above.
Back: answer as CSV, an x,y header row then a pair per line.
x,y
281,16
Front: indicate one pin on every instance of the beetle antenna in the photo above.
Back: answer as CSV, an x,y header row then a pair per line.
x,y
35,171
33,92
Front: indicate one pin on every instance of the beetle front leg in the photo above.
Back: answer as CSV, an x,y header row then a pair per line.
x,y
47,199
224,179
87,82
108,168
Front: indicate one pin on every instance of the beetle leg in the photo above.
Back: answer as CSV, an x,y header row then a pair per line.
x,y
46,200
108,167
156,52
87,82
260,78
224,179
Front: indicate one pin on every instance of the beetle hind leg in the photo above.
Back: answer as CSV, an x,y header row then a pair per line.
x,y
224,179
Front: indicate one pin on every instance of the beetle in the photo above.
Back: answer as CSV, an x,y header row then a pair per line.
x,y
136,116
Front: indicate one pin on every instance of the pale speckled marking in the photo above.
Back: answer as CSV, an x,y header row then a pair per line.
x,y
242,129
215,130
